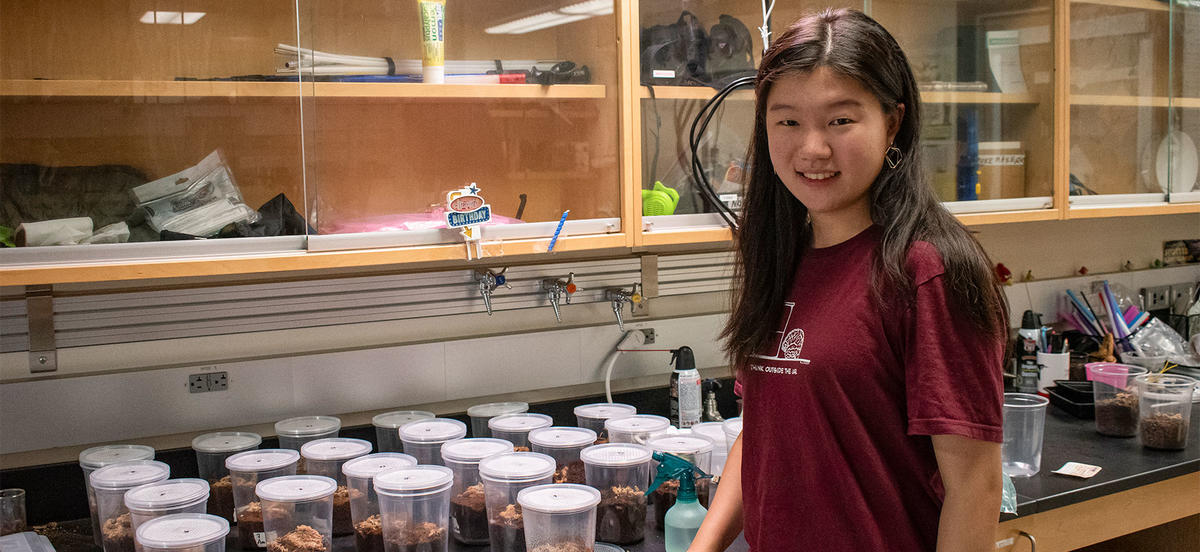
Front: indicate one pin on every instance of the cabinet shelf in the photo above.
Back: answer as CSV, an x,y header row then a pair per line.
x,y
1134,101
704,93
1152,5
250,89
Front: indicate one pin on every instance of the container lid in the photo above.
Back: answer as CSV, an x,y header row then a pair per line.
x,y
616,455
365,467
562,437
127,475
26,541
179,531
398,418
516,466
335,448
305,426
98,457
604,411
495,409
640,423
732,426
162,495
433,430
523,422
295,488
262,460
226,441
605,547
563,498
681,444
474,450
414,480
712,430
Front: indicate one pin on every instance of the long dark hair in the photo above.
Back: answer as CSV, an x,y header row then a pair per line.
x,y
774,228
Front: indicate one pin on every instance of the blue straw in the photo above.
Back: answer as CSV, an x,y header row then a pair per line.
x,y
558,230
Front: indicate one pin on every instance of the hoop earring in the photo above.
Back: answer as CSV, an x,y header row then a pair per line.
x,y
893,156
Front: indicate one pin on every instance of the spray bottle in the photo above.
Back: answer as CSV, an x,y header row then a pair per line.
x,y
685,388
684,518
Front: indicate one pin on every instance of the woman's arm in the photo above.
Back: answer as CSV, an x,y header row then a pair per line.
x,y
971,474
724,520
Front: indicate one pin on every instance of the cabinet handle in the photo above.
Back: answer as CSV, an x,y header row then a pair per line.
x,y
1032,541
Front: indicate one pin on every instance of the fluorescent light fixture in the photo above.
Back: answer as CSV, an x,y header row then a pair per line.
x,y
589,7
171,17
551,18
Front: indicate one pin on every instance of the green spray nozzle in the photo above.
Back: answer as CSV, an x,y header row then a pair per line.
x,y
674,467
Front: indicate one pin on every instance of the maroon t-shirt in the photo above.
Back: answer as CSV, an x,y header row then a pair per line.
x,y
836,453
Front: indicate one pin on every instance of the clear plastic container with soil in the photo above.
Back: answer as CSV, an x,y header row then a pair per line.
x,y
1165,408
183,533
297,512
468,509
246,470
592,416
1115,398
423,438
636,429
564,444
694,448
504,476
95,458
294,432
559,517
364,503
110,484
211,451
414,507
388,424
164,498
326,457
515,428
480,414
621,472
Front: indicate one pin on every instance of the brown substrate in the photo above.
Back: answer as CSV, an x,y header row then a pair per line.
x,y
220,498
506,531
567,546
417,537
249,522
664,498
116,535
621,515
301,539
10,526
1118,416
520,449
468,516
1164,431
571,473
368,535
342,523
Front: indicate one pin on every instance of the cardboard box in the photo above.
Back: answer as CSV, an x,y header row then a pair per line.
x,y
1001,170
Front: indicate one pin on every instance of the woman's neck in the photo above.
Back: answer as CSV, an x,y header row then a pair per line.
x,y
829,230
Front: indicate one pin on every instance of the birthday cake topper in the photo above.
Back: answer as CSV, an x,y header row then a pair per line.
x,y
466,210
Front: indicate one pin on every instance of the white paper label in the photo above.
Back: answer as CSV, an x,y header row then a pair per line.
x,y
663,74
1076,469
260,539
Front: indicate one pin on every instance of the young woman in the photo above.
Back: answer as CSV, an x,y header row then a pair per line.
x,y
867,329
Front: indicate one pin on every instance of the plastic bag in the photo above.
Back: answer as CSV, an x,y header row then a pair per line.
x,y
1157,338
198,201
1008,499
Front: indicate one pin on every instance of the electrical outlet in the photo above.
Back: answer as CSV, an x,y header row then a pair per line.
x,y
1180,297
218,381
1156,298
648,336
198,383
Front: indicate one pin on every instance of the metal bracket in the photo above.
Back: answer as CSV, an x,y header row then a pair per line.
x,y
649,285
39,312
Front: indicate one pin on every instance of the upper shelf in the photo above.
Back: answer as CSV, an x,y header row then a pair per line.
x,y
1152,5
704,93
1134,101
250,89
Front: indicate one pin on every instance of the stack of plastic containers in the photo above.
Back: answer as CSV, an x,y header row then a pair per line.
x,y
423,438
364,504
636,429
592,416
183,533
515,428
563,444
694,448
505,475
211,451
110,484
716,432
294,432
164,498
481,413
297,512
733,429
621,472
559,517
415,506
468,509
95,458
246,470
387,427
325,457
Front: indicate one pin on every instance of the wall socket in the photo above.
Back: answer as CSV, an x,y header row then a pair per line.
x,y
211,381
1156,298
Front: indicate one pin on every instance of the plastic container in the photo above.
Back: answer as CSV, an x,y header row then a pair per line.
x,y
732,428
1024,425
468,509
164,498
423,438
183,533
592,416
1115,398
560,517
515,428
387,428
294,432
325,457
636,429
246,470
297,512
110,484
481,413
95,458
716,432
25,541
414,504
12,511
504,476
563,444
620,471
694,448
1165,408
1152,363
364,504
211,451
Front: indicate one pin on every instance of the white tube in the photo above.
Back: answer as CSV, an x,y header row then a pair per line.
x,y
611,359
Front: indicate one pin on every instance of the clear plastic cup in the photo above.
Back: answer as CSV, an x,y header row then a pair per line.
x,y
505,475
716,432
1165,410
326,457
211,451
246,470
1115,397
1024,425
694,448
12,511
95,458
481,413
183,533
297,512
563,444
1152,363
423,438
515,428
620,471
636,429
468,509
294,432
387,427
110,484
559,517
164,498
592,416
414,504
364,503
732,428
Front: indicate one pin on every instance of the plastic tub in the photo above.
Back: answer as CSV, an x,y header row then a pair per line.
x,y
183,533
211,451
732,428
414,504
1024,425
325,457
481,413
1165,410
12,511
246,470
636,429
423,438
364,504
694,448
164,498
620,471
559,517
95,458
563,444
1152,363
110,484
592,416
515,428
468,509
504,476
1114,397
297,512
294,432
387,427
716,432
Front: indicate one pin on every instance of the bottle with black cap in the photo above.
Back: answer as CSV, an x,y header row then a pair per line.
x,y
685,388
1026,351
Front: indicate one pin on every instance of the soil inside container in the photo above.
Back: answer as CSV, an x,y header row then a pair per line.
x,y
117,534
571,473
250,522
1118,416
368,535
621,515
301,539
425,536
1164,431
220,498
507,530
468,516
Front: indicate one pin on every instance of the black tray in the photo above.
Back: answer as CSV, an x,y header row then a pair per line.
x,y
1081,410
1076,391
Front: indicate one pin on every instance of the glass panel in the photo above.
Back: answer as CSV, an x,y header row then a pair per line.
x,y
1185,102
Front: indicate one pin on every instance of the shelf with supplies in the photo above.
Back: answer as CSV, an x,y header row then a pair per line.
x,y
252,89
940,97
1134,101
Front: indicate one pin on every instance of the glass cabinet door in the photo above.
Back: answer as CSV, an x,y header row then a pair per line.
x,y
1184,119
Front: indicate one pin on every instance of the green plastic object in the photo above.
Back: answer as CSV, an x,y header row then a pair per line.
x,y
660,200
684,518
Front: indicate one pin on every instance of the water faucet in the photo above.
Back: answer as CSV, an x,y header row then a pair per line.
x,y
556,290
619,297
488,281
